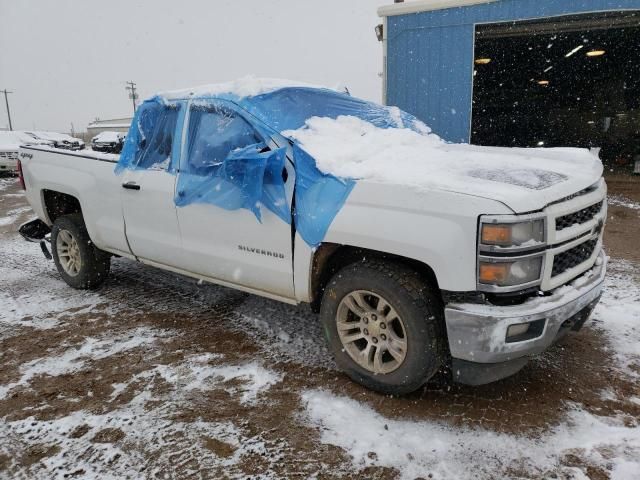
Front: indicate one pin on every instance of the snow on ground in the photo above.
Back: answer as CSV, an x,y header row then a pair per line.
x,y
618,315
43,307
12,215
621,201
130,441
279,325
195,373
417,448
6,182
74,357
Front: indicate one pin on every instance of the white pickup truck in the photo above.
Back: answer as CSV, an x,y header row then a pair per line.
x,y
419,255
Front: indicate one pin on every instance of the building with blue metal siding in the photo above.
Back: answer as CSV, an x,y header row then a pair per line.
x,y
429,52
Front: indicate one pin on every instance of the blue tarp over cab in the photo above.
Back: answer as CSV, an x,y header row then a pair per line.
x,y
227,162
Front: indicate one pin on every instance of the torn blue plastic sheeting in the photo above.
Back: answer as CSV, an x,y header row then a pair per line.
x,y
290,108
244,179
226,161
150,142
319,198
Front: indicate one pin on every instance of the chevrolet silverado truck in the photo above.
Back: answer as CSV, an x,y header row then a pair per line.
x,y
444,257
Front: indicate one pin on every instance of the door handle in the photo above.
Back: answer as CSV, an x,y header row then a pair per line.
x,y
131,186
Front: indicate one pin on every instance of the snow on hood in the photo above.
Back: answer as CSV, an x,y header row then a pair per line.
x,y
248,86
525,179
108,137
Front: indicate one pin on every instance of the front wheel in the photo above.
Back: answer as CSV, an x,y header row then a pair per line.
x,y
385,326
80,264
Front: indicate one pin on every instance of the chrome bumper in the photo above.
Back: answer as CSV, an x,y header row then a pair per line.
x,y
478,333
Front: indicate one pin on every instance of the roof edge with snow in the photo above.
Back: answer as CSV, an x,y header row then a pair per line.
x,y
248,86
425,6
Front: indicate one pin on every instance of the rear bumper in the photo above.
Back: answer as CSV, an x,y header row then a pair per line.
x,y
478,333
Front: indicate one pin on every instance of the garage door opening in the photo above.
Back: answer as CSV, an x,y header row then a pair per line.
x,y
567,81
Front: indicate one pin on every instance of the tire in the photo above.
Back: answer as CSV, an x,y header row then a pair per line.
x,y
80,264
419,316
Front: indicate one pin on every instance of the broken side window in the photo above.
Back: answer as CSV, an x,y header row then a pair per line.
x,y
156,128
149,143
229,165
213,134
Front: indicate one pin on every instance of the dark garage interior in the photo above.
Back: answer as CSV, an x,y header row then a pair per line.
x,y
565,81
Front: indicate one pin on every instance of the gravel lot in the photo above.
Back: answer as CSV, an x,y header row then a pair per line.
x,y
155,376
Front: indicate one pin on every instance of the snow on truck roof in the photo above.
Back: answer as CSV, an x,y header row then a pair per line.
x,y
285,105
248,86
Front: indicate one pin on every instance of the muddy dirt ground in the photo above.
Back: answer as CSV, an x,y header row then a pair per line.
x,y
156,376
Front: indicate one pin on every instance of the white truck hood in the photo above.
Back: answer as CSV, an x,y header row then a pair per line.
x,y
524,179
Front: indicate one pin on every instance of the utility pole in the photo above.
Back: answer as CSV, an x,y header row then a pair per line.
x,y
131,86
6,100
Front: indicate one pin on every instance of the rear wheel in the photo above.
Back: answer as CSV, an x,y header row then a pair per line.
x,y
385,326
80,264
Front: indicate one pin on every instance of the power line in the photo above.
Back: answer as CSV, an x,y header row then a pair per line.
x,y
131,86
6,100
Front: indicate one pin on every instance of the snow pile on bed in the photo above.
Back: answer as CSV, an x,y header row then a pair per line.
x,y
248,86
350,147
420,449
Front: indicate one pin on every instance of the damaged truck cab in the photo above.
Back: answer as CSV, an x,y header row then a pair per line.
x,y
470,271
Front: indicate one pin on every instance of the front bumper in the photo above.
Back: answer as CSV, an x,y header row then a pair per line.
x,y
104,148
478,332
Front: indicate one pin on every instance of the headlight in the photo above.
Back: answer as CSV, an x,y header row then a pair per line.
x,y
510,252
509,272
521,234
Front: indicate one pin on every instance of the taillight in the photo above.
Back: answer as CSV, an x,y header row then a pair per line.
x,y
21,175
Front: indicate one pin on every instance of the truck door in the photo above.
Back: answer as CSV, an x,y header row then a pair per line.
x,y
148,184
221,238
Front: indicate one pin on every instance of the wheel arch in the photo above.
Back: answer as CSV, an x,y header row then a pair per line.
x,y
58,203
329,258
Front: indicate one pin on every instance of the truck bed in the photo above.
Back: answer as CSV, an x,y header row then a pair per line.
x,y
85,175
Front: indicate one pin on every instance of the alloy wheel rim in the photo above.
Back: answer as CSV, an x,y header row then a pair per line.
x,y
371,331
68,253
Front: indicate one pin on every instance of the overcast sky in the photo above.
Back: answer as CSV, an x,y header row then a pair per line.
x,y
67,61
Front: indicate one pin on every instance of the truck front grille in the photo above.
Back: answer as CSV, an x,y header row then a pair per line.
x,y
579,217
573,257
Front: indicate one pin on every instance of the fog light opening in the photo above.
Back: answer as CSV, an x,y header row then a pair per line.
x,y
516,330
520,332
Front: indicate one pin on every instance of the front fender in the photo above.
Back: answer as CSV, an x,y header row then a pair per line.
x,y
436,228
